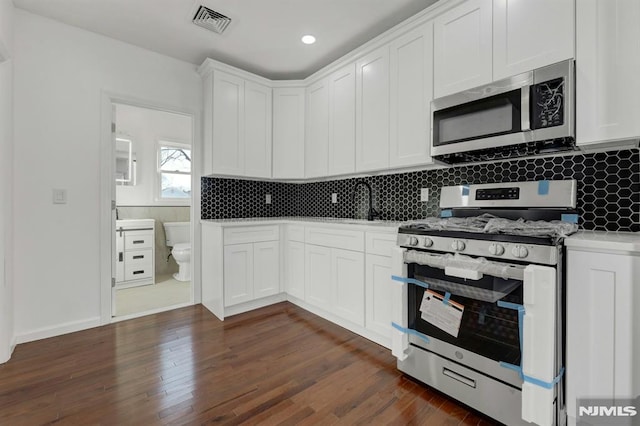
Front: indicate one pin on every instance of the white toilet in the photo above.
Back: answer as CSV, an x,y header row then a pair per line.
x,y
179,237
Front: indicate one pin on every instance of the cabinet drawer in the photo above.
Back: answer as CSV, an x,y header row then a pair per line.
x,y
138,257
380,243
344,239
138,271
251,234
136,240
295,233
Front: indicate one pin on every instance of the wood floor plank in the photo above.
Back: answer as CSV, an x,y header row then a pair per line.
x,y
278,365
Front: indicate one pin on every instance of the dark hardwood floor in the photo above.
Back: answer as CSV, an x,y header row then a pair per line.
x,y
276,365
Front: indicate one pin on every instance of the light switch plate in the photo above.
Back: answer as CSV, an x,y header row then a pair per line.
x,y
267,199
334,198
59,196
424,194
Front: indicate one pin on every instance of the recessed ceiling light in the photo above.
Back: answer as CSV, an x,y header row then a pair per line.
x,y
308,39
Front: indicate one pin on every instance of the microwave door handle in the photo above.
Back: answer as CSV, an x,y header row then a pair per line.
x,y
525,119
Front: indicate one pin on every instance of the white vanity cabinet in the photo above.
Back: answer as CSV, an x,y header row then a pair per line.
x,y
603,319
135,260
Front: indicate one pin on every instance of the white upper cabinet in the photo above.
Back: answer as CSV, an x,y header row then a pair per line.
x,y
228,124
411,59
607,71
342,121
316,142
238,126
462,50
372,111
531,34
257,130
288,133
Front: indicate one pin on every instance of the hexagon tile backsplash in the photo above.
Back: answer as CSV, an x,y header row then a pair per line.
x,y
608,191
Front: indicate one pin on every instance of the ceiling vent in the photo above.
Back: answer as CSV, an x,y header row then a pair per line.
x,y
211,20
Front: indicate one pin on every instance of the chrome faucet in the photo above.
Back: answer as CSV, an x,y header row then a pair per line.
x,y
372,212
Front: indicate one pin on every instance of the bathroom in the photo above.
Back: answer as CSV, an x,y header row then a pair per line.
x,y
153,203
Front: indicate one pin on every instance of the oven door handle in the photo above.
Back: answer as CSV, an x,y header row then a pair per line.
x,y
463,273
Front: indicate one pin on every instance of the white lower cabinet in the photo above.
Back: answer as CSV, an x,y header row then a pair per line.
x,y
251,271
335,281
294,263
347,268
603,325
318,276
378,294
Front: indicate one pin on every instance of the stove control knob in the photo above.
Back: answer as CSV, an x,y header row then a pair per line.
x,y
413,241
458,245
428,242
520,252
496,249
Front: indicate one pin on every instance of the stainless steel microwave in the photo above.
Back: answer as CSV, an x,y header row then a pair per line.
x,y
528,114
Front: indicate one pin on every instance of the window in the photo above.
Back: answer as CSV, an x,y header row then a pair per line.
x,y
174,168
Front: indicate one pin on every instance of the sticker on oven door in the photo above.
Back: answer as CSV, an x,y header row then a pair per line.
x,y
444,315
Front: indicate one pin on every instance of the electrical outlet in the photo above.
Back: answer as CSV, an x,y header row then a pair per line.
x,y
59,196
334,198
267,199
424,194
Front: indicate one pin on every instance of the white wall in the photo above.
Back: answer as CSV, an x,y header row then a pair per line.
x,y
6,179
145,127
60,75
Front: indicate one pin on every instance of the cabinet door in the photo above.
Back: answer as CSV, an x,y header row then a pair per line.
x,y
288,133
372,111
257,133
378,294
347,268
342,121
238,274
316,141
266,269
607,34
519,43
602,354
411,93
228,124
295,269
462,47
318,281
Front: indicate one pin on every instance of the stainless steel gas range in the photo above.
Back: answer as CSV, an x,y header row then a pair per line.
x,y
478,306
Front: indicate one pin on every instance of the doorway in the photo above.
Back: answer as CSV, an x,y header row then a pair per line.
x,y
152,183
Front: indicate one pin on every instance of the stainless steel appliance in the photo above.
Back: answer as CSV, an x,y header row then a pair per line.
x,y
528,114
479,299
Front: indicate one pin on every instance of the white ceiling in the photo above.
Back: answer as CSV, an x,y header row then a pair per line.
x,y
263,37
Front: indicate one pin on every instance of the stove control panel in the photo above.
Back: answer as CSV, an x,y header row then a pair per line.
x,y
499,250
498,194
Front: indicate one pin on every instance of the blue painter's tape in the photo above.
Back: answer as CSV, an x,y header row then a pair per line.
x,y
543,187
409,281
465,190
410,331
446,213
446,298
573,218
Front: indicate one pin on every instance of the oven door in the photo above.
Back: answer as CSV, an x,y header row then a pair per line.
x,y
492,338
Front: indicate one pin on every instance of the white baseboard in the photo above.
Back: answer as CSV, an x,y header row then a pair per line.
x,y
254,304
46,332
362,331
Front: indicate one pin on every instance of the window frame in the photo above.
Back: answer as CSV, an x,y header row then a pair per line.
x,y
166,143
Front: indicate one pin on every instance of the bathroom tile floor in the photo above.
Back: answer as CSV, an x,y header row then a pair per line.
x,y
165,292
